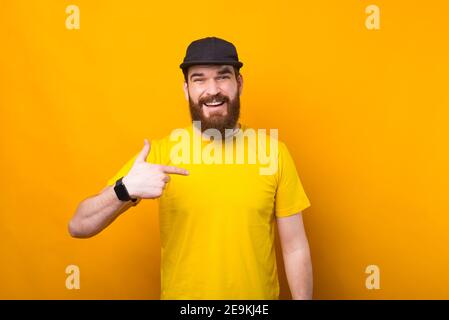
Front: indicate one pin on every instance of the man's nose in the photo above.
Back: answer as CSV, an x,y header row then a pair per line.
x,y
212,87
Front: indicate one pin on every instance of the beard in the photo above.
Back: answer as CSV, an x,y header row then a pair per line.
x,y
216,121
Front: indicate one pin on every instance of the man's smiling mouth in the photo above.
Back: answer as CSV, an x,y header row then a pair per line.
x,y
214,104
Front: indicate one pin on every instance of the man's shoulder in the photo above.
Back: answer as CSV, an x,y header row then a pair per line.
x,y
170,137
270,135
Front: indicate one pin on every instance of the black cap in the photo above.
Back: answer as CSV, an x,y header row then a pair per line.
x,y
211,50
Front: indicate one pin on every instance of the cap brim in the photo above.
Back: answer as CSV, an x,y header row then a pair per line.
x,y
185,65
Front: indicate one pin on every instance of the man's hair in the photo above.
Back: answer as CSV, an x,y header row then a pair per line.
x,y
186,71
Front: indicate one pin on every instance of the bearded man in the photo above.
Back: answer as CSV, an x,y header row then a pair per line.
x,y
217,220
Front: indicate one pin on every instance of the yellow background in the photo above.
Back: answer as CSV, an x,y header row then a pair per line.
x,y
364,114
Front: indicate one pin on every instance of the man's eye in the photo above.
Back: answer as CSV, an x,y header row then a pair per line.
x,y
197,80
223,77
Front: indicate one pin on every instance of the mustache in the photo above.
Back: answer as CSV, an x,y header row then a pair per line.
x,y
209,99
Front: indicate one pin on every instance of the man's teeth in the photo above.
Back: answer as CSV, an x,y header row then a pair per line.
x,y
214,104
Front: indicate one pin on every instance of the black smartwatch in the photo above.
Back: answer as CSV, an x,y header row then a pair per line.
x,y
121,192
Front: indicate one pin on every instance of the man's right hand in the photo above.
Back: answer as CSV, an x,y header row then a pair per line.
x,y
146,180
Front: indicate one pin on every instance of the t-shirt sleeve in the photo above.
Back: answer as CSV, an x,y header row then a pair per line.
x,y
290,195
153,157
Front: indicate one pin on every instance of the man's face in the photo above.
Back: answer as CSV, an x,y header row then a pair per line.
x,y
213,93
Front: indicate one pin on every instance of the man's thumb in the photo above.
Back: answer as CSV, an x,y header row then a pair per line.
x,y
142,156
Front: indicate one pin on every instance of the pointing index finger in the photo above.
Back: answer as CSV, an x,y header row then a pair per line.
x,y
174,170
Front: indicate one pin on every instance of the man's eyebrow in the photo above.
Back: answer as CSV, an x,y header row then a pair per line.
x,y
197,74
225,70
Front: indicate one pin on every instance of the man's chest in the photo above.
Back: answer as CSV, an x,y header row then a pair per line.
x,y
234,187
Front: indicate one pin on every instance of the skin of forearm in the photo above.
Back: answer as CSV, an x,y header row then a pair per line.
x,y
298,268
95,213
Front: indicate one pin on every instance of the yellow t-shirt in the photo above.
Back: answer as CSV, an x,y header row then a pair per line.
x,y
217,223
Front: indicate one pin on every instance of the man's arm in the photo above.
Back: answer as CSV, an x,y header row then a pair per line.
x,y
96,213
144,181
296,253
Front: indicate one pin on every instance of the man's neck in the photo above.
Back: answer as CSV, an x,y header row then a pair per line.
x,y
228,132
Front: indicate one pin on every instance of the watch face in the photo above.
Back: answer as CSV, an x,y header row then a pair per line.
x,y
121,191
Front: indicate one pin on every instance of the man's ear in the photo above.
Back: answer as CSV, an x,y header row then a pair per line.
x,y
240,83
186,90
